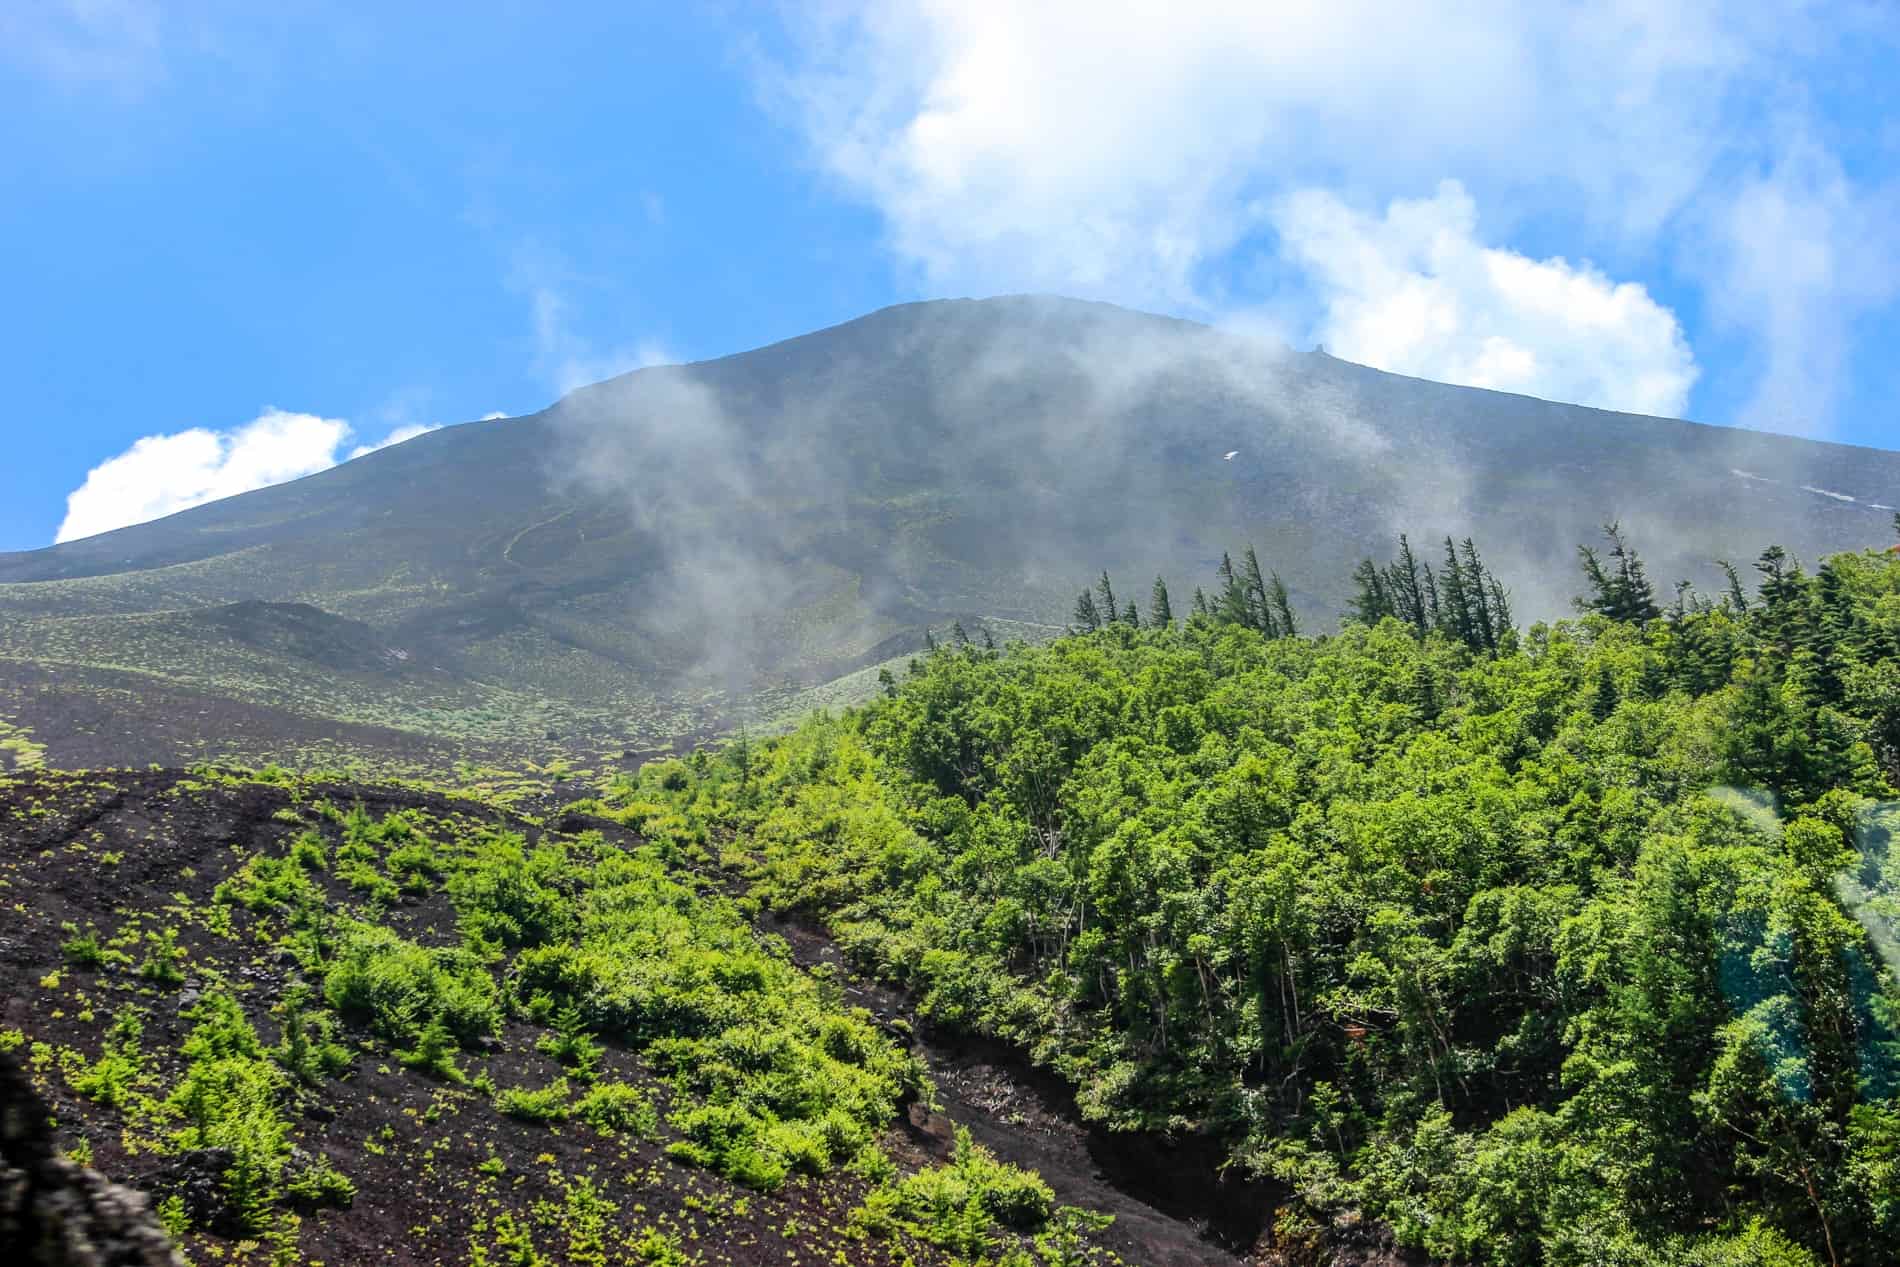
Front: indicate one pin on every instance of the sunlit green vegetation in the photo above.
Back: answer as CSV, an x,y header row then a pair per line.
x,y
1561,945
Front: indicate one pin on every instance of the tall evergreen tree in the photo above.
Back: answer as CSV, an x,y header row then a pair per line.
x,y
1160,611
1232,606
1478,594
1131,615
1110,613
1736,598
1087,618
1460,621
1619,589
1408,593
1373,602
1259,615
1282,607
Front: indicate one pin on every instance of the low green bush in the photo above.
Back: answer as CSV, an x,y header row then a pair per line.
x,y
536,1104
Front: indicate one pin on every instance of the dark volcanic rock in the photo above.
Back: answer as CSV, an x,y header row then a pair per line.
x,y
55,1213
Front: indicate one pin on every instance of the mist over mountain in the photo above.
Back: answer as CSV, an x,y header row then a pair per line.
x,y
654,552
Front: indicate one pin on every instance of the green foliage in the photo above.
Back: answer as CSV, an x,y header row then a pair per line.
x,y
84,950
320,1184
1462,927
571,1044
434,1053
541,1104
163,957
616,1108
309,1049
173,1217
399,987
230,1098
963,1206
113,1078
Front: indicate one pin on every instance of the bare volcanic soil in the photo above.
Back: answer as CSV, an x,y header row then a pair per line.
x,y
439,1174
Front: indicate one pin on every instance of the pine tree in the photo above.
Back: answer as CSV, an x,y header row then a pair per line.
x,y
1479,596
1200,603
1160,612
1131,615
1737,598
1408,593
1232,606
1373,603
1500,607
1259,615
1087,618
1620,590
1459,619
1282,607
1109,611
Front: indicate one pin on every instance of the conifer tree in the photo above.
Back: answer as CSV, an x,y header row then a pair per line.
x,y
1131,615
1408,594
1373,602
1479,595
1232,606
1737,598
1110,613
1258,613
1459,620
1281,607
1620,589
1160,612
1087,618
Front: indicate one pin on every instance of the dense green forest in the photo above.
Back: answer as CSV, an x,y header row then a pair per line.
x,y
1567,945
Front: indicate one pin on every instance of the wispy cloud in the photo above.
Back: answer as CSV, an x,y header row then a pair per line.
x,y
110,45
1145,153
161,475
1416,291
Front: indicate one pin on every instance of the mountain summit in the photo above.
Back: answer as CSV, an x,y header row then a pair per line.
x,y
652,552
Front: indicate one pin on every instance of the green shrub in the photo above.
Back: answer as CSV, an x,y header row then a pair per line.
x,y
571,1044
399,987
308,1048
84,950
961,1206
612,1107
309,852
229,1098
434,1053
112,1079
163,955
543,1104
319,1184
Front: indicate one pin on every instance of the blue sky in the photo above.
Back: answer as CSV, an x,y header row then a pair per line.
x,y
239,247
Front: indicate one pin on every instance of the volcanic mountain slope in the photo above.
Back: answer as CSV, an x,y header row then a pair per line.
x,y
329,1022
670,550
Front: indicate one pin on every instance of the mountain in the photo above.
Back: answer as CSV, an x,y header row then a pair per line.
x,y
671,550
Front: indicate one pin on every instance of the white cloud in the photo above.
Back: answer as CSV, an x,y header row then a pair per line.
x,y
1117,147
1416,292
1137,151
397,436
569,361
115,44
1792,259
162,474
490,417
